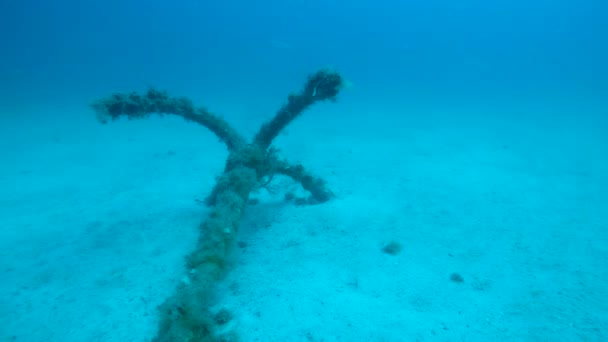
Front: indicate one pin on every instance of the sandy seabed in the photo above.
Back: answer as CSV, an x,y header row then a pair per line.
x,y
96,219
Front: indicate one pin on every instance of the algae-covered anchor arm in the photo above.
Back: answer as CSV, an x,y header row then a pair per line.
x,y
136,106
316,186
322,85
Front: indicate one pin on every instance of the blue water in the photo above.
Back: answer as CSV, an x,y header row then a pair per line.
x,y
505,50
528,79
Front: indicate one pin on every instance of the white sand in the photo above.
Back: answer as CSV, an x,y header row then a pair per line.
x,y
95,221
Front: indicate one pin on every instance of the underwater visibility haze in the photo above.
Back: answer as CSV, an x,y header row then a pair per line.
x,y
303,170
